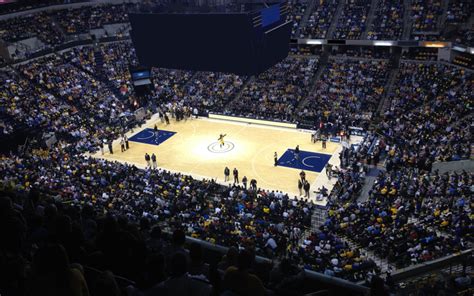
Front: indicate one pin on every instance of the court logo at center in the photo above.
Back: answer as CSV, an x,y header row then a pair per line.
x,y
217,148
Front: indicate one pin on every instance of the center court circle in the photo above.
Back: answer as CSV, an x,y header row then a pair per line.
x,y
216,148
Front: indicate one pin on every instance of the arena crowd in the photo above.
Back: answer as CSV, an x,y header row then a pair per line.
x,y
59,206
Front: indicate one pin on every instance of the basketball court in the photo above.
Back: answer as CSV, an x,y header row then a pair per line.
x,y
192,147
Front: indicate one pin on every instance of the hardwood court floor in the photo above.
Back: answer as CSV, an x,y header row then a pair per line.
x,y
188,152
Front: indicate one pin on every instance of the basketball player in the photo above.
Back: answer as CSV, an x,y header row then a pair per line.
x,y
315,136
297,152
275,157
221,140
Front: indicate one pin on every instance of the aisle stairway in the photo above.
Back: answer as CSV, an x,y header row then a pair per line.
x,y
335,19
385,102
406,20
390,84
318,218
382,263
304,19
370,18
323,61
101,74
442,18
58,28
237,96
368,184
99,59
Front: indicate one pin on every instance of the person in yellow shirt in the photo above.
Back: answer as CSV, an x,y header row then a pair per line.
x,y
221,140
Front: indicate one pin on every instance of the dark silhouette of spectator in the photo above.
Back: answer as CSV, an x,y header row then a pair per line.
x,y
197,267
377,287
240,281
229,259
177,246
179,283
286,278
54,276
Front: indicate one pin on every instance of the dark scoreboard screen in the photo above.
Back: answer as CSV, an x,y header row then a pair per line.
x,y
239,43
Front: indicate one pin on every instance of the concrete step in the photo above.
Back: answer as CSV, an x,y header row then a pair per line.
x,y
442,18
304,19
370,18
389,87
382,263
335,19
368,184
406,20
242,88
321,67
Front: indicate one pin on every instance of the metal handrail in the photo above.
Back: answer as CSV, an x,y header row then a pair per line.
x,y
431,266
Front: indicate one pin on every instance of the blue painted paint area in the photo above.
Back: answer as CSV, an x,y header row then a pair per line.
x,y
308,161
149,136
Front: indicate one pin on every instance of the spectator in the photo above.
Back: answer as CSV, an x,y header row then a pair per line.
x,y
238,280
54,276
352,21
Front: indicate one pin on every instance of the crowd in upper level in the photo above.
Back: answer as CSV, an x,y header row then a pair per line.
x,y
320,20
38,25
347,94
388,21
425,15
53,27
352,20
427,20
82,20
277,92
427,113
297,12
